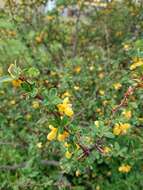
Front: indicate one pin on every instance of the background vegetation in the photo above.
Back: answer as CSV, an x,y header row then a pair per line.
x,y
71,96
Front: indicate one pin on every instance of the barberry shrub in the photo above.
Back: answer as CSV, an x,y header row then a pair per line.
x,y
71,96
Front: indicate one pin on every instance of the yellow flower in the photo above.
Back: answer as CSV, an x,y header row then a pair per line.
x,y
101,75
69,111
39,145
77,69
91,68
117,129
97,187
66,94
121,128
66,144
49,18
98,110
35,104
63,136
65,108
39,39
16,83
126,47
124,168
77,173
107,150
76,87
127,114
101,92
125,127
28,116
119,33
68,154
53,134
105,102
136,64
117,86
96,123
12,102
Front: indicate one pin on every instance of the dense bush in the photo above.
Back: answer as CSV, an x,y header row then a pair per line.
x,y
71,97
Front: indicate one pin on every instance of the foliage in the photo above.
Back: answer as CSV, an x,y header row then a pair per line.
x,y
71,97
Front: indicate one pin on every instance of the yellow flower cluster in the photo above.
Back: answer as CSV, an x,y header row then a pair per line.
x,y
66,94
136,64
53,134
65,108
127,114
117,86
121,128
124,168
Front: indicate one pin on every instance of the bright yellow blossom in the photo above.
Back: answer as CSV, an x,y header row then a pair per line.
x,y
77,173
76,87
101,75
101,92
127,114
68,154
66,94
16,83
35,104
106,150
124,168
77,69
136,64
121,128
63,136
53,134
65,108
96,123
117,86
126,47
39,145
12,102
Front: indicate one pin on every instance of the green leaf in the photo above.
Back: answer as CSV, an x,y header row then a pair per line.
x,y
53,92
109,135
33,72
